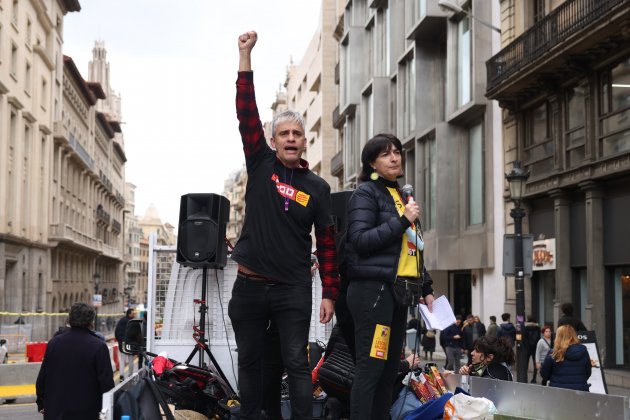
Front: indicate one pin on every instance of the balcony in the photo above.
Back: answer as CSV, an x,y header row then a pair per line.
x,y
337,118
336,164
111,252
66,233
564,44
116,227
102,216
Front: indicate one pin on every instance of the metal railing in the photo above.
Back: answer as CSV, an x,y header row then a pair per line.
x,y
566,20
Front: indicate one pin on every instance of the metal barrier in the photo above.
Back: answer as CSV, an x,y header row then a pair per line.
x,y
532,401
20,328
109,398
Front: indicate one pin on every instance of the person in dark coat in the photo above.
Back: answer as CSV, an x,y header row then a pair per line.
x,y
119,333
532,334
76,370
385,271
567,318
428,343
568,365
472,329
507,329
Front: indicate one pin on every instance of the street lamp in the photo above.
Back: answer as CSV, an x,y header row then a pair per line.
x,y
448,5
97,280
516,179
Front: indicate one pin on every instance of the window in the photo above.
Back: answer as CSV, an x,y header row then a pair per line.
x,y
368,112
14,60
464,63
14,13
27,78
539,147
370,52
407,97
475,175
429,176
44,95
29,31
383,41
575,129
351,149
621,278
615,106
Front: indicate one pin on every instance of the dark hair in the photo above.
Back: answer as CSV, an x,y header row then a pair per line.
x,y
505,316
81,315
500,347
129,311
567,308
3,341
493,318
374,147
530,318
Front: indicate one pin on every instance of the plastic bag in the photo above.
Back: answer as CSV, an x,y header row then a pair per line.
x,y
404,404
462,406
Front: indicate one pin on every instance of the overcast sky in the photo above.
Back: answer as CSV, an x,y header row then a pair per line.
x,y
174,64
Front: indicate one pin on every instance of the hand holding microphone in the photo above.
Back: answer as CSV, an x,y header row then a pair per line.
x,y
412,210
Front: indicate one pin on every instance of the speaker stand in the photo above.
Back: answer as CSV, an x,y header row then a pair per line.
x,y
201,343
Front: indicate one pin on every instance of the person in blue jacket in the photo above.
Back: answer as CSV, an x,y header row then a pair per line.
x,y
568,365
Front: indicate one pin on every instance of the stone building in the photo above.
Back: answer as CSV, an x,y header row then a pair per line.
x,y
417,71
32,75
562,80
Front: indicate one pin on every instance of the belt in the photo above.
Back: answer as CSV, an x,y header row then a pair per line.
x,y
255,277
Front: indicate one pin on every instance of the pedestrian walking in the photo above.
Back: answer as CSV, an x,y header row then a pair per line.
x,y
428,343
507,329
453,341
4,352
76,370
119,333
532,335
493,328
568,317
542,348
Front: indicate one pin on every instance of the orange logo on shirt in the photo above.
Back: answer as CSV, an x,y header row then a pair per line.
x,y
287,191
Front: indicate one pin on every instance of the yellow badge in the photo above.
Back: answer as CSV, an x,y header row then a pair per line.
x,y
380,343
302,198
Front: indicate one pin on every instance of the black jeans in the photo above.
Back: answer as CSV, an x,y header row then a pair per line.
x,y
372,306
253,304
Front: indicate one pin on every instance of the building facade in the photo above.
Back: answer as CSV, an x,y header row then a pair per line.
x,y
32,74
417,71
563,83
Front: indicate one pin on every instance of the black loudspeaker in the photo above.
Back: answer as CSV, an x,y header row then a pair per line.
x,y
201,236
340,212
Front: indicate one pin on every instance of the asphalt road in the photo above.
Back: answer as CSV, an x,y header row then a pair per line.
x,y
19,412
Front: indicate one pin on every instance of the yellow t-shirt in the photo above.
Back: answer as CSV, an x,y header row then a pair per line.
x,y
410,258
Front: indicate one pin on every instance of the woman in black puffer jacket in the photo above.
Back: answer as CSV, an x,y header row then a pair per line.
x,y
384,268
568,365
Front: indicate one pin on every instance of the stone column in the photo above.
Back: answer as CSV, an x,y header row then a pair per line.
x,y
595,315
562,226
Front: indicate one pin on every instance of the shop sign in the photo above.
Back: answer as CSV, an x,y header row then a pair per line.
x,y
544,254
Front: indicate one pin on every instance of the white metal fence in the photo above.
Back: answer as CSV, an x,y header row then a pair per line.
x,y
172,311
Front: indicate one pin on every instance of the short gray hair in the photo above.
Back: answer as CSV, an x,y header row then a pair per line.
x,y
286,116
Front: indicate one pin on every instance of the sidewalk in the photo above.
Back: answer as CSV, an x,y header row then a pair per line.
x,y
24,394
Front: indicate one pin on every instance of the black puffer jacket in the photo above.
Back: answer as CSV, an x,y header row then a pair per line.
x,y
375,233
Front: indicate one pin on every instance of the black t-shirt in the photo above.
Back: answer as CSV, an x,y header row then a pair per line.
x,y
274,242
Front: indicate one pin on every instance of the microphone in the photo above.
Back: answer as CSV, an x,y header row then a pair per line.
x,y
407,194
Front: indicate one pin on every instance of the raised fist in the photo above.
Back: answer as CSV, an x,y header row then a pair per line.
x,y
247,40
